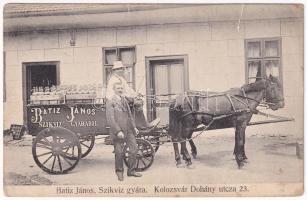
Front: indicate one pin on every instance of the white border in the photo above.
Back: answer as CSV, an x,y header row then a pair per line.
x,y
2,4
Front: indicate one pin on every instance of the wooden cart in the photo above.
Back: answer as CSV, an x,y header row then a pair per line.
x,y
65,132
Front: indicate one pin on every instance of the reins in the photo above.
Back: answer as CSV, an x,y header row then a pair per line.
x,y
244,99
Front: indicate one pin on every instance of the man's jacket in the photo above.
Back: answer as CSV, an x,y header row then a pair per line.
x,y
119,116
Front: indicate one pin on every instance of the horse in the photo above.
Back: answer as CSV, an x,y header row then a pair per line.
x,y
233,108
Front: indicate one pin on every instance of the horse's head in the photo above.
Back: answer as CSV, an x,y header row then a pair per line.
x,y
273,93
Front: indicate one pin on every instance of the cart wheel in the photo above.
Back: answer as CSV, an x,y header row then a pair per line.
x,y
87,143
145,155
53,149
154,141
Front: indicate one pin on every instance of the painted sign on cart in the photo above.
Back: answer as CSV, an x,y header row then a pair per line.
x,y
80,118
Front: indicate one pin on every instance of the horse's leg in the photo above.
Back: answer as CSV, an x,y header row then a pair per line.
x,y
182,153
193,146
186,153
247,120
177,155
193,149
239,142
244,156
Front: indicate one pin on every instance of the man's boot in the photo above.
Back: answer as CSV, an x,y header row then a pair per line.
x,y
134,173
120,176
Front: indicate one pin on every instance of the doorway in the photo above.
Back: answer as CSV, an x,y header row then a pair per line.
x,y
166,77
38,74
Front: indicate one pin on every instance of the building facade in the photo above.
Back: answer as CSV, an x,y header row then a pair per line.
x,y
168,49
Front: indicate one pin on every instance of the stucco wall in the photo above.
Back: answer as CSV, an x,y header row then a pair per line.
x,y
215,58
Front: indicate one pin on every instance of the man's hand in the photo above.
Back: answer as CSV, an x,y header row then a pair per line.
x,y
136,131
120,135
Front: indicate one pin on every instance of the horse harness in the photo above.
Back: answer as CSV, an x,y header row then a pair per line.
x,y
229,97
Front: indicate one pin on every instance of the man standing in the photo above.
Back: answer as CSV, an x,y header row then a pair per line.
x,y
122,129
129,93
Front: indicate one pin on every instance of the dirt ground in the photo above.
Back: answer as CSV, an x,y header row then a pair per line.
x,y
272,159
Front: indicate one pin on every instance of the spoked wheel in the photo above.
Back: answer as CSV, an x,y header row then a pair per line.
x,y
145,155
56,150
87,143
154,141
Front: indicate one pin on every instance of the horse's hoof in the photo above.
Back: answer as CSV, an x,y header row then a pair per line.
x,y
180,165
191,166
240,165
194,155
188,162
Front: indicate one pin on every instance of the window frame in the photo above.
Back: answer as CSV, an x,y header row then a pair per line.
x,y
117,52
264,58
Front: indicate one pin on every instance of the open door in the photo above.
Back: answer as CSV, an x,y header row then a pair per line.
x,y
38,75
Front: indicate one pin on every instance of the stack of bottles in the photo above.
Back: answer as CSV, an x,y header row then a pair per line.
x,y
61,93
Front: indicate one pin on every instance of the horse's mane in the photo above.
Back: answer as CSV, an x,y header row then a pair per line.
x,y
256,86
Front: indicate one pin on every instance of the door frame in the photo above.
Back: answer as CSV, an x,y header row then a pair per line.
x,y
25,66
149,77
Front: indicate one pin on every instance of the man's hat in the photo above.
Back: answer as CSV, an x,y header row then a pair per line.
x,y
118,64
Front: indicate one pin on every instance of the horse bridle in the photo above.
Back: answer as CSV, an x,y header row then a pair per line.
x,y
265,93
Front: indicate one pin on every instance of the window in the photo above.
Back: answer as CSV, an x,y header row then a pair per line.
x,y
263,58
124,54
